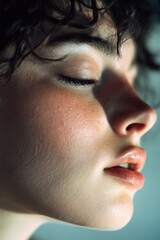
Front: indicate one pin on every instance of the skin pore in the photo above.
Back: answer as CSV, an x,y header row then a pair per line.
x,y
62,123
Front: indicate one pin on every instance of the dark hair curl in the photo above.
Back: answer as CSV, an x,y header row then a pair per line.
x,y
18,19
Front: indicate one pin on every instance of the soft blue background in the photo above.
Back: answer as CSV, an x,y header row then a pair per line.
x,y
145,224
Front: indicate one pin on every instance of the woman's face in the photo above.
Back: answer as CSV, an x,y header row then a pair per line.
x,y
67,126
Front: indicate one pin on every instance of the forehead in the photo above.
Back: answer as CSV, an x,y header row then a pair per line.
x,y
103,29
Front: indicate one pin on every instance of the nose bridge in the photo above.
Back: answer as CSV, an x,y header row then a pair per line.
x,y
127,113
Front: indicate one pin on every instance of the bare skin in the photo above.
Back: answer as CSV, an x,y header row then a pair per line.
x,y
18,226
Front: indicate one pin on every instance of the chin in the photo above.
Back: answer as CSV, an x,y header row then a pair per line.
x,y
114,219
112,225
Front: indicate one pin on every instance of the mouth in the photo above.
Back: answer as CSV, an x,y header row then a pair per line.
x,y
127,166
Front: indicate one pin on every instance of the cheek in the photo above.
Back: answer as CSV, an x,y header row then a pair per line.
x,y
50,132
52,128
59,134
65,122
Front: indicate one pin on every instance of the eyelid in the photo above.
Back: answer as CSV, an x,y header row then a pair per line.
x,y
76,81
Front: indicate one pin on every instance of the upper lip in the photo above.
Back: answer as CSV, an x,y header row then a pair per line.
x,y
135,157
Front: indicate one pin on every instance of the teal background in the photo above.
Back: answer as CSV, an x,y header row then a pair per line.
x,y
145,224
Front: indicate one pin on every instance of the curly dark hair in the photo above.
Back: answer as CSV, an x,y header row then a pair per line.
x,y
19,19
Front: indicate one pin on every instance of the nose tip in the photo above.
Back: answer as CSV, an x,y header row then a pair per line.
x,y
132,116
139,123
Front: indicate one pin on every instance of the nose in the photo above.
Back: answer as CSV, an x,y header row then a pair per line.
x,y
128,114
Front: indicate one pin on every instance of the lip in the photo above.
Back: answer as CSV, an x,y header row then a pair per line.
x,y
135,158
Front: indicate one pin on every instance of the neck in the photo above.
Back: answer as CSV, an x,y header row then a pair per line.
x,y
17,226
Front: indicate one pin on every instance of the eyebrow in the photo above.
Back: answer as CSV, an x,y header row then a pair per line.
x,y
105,46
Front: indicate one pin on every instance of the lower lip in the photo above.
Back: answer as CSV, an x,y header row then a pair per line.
x,y
126,176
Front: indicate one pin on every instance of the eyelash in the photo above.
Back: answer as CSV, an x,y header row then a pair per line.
x,y
77,81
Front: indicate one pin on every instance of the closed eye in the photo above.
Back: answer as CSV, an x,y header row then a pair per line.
x,y
76,81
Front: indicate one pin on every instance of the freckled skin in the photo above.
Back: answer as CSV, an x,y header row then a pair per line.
x,y
57,139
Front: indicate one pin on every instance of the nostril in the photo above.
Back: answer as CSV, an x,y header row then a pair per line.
x,y
135,127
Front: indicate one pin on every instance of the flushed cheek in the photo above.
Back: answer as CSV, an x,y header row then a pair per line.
x,y
68,124
62,139
52,134
54,128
